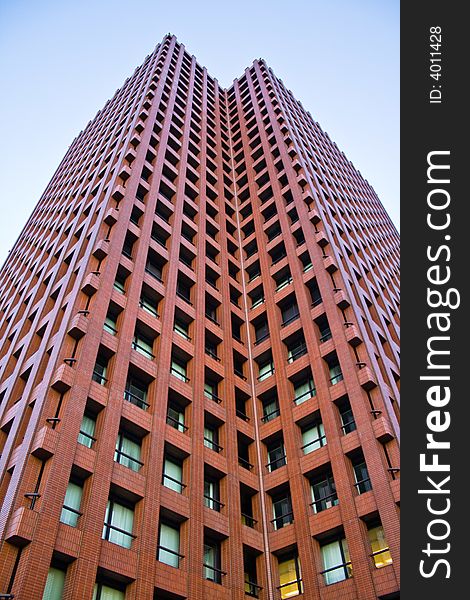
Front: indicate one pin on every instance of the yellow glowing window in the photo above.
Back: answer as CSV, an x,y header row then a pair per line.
x,y
289,578
380,552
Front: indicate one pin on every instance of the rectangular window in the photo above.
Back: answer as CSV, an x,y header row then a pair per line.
x,y
99,372
361,475
282,511
212,495
380,552
87,431
143,345
179,370
305,390
265,370
290,578
149,306
182,329
175,418
136,394
169,545
336,563
212,570
324,493
54,584
348,423
276,456
71,508
127,452
336,374
118,524
313,438
211,438
110,324
173,475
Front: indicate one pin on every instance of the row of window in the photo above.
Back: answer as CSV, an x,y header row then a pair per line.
x,y
335,558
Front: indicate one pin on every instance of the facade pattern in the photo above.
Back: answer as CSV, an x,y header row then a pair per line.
x,y
199,390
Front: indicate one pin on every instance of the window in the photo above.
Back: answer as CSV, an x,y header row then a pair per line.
x,y
276,455
175,417
296,348
154,270
118,524
99,371
182,329
178,369
313,437
323,493
136,393
71,508
143,345
282,511
169,545
266,369
87,431
289,313
270,409
380,551
212,494
348,424
110,324
212,562
336,562
290,578
104,592
148,305
361,475
261,331
127,452
336,374
173,475
211,438
119,283
210,391
304,390
54,584
324,329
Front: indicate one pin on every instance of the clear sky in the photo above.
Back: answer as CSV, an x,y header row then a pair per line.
x,y
61,60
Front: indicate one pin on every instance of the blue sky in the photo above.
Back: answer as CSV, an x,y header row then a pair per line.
x,y
61,61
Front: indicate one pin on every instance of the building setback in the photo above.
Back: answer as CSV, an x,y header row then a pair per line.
x,y
199,357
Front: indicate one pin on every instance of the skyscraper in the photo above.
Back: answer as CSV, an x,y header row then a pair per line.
x,y
199,360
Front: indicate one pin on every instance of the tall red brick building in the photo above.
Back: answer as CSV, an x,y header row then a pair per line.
x,y
199,357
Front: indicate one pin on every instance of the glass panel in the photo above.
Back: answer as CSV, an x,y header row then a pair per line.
x,y
169,545
333,559
173,476
54,585
265,370
304,391
378,543
178,370
127,453
121,518
110,325
313,438
87,431
70,510
290,585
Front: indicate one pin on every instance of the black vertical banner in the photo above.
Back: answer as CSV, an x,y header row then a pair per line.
x,y
435,260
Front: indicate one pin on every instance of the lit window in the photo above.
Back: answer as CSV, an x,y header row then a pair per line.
x,y
380,551
290,578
